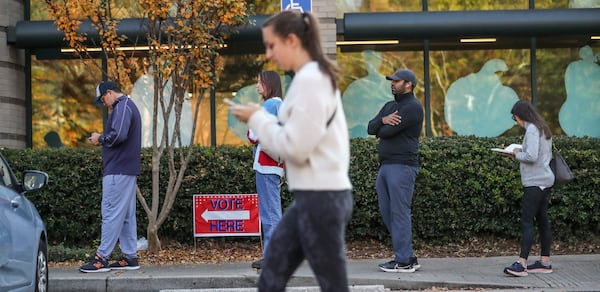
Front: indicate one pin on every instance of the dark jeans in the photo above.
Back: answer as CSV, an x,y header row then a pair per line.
x,y
534,207
312,228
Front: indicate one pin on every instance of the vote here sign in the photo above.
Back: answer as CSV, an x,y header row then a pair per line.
x,y
226,215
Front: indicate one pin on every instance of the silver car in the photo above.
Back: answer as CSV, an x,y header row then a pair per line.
x,y
23,240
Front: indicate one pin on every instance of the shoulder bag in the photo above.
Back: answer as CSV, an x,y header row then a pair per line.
x,y
560,168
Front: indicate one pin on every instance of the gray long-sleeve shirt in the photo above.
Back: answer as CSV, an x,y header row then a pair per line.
x,y
535,158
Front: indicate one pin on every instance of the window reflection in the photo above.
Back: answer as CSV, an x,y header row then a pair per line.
x,y
143,95
62,111
445,5
476,104
579,115
364,87
472,92
347,6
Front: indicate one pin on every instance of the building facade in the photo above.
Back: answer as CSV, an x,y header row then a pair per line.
x,y
473,61
14,104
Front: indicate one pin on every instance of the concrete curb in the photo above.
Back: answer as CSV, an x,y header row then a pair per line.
x,y
571,273
372,288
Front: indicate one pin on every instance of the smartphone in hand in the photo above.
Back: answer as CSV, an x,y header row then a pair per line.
x,y
229,101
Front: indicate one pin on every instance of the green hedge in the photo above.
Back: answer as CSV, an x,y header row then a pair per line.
x,y
463,189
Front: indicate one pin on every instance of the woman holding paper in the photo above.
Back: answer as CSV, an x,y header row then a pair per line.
x,y
537,179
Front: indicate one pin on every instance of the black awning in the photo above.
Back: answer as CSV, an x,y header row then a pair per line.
x,y
45,35
488,23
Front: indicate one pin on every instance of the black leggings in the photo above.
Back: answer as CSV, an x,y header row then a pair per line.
x,y
534,205
312,228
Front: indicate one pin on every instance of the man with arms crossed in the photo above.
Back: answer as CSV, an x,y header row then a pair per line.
x,y
398,127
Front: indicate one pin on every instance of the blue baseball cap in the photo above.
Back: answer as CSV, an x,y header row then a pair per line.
x,y
102,88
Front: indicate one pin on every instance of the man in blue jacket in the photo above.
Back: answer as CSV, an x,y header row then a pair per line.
x,y
398,127
121,159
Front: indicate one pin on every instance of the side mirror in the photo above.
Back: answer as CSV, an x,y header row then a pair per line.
x,y
34,180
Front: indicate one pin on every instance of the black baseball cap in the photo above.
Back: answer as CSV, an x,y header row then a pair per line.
x,y
404,74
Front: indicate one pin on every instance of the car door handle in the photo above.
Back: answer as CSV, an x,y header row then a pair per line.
x,y
14,203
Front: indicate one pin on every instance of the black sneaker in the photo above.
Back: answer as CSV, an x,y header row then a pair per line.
x,y
517,269
396,267
125,264
539,267
257,264
415,263
96,265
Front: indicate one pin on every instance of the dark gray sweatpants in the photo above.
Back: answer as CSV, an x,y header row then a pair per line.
x,y
312,228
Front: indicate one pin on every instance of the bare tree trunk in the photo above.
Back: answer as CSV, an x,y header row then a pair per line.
x,y
154,245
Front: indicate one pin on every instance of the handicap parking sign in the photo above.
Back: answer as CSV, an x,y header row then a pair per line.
x,y
299,5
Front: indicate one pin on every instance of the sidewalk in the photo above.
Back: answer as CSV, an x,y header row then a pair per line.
x,y
571,273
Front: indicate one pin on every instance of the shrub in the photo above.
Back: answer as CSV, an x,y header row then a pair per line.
x,y
463,189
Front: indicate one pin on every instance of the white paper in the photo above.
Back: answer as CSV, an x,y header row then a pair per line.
x,y
509,149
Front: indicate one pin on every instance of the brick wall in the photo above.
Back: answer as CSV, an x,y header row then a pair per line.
x,y
325,11
13,118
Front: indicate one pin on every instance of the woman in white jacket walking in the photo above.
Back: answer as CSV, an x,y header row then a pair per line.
x,y
311,136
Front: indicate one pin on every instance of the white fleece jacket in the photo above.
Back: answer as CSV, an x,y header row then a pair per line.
x,y
317,156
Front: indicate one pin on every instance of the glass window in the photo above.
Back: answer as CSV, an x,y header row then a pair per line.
x,y
472,92
63,91
266,6
553,4
130,8
5,179
446,5
238,82
364,87
568,90
119,8
347,6
62,95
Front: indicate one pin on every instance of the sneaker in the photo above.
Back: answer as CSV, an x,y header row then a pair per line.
x,y
517,269
415,263
96,265
540,268
257,264
125,264
396,267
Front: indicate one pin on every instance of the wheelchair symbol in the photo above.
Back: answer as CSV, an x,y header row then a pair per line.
x,y
294,6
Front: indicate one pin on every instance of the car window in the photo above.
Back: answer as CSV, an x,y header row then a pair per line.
x,y
4,174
